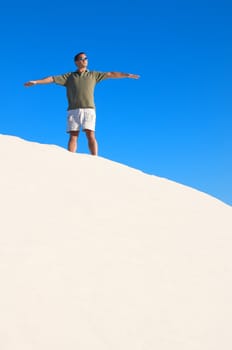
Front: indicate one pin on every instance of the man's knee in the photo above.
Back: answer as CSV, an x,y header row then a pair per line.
x,y
73,135
90,134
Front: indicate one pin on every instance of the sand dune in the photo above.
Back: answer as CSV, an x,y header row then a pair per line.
x,y
95,255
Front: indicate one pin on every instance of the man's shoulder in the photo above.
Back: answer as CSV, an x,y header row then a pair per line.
x,y
98,75
96,72
85,73
64,75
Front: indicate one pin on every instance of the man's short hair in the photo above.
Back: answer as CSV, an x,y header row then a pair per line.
x,y
77,56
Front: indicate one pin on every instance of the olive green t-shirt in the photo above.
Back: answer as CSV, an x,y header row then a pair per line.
x,y
80,87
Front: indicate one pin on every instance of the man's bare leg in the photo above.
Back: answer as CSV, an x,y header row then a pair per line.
x,y
72,143
92,142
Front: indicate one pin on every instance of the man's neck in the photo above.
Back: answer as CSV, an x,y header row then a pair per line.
x,y
81,70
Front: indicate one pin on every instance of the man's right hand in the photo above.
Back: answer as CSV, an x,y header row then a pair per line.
x,y
30,83
47,80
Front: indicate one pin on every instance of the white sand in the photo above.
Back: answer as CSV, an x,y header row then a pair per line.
x,y
95,255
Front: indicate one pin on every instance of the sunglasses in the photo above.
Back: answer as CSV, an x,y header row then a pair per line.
x,y
82,58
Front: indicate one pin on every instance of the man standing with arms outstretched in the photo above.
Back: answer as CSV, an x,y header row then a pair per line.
x,y
80,94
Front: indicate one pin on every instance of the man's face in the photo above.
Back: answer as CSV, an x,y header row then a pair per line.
x,y
82,61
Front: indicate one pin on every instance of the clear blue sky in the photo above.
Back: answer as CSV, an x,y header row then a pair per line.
x,y
175,122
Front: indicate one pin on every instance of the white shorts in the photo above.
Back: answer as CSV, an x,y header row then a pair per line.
x,y
84,118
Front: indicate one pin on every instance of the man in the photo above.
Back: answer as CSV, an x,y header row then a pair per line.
x,y
80,94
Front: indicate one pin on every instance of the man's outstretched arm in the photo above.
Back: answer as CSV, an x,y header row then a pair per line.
x,y
47,80
121,75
